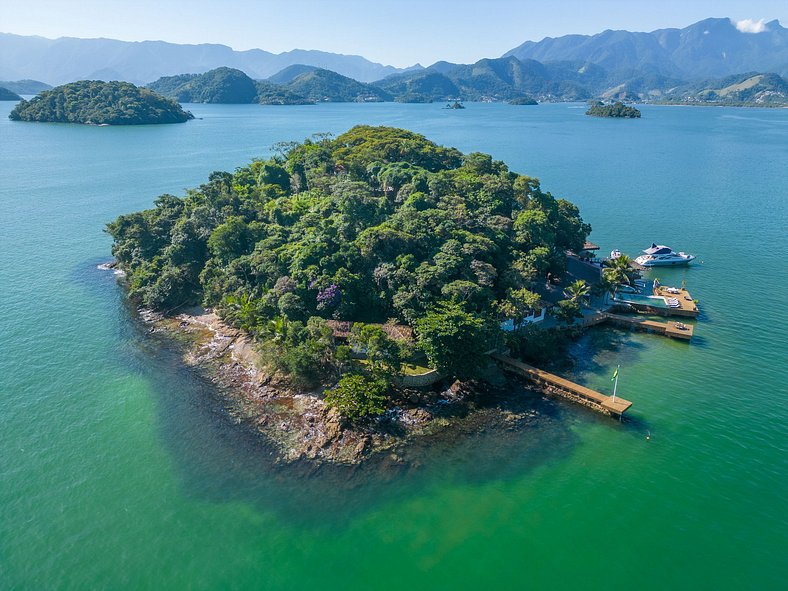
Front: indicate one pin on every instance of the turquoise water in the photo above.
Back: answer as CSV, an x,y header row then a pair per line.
x,y
120,471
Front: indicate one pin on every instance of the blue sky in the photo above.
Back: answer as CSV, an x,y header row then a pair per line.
x,y
396,32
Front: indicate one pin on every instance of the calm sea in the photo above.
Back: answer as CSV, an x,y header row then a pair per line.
x,y
119,470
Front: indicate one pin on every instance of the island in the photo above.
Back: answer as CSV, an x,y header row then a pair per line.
x,y
617,109
7,95
100,103
523,100
326,288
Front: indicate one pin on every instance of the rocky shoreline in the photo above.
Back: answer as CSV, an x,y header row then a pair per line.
x,y
299,425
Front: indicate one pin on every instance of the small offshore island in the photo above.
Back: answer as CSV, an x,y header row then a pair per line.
x,y
523,100
100,103
344,276
616,110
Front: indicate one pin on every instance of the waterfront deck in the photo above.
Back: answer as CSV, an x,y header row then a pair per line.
x,y
686,303
553,384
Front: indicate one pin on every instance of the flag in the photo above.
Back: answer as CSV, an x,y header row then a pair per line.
x,y
615,375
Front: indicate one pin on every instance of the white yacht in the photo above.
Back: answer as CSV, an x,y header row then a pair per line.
x,y
659,255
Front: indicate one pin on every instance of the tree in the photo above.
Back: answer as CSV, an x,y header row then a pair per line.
x,y
619,272
567,311
383,353
518,304
577,291
357,396
231,239
455,341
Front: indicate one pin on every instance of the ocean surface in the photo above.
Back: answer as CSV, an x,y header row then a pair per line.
x,y
119,469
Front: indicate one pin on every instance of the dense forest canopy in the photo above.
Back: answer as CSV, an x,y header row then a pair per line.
x,y
94,101
617,109
378,223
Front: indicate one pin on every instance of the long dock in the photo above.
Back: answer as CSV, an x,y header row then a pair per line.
x,y
556,385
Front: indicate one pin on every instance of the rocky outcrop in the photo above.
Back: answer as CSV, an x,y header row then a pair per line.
x,y
299,423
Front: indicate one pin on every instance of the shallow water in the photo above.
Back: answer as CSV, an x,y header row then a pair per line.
x,y
120,469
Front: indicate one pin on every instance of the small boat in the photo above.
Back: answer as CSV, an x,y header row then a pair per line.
x,y
659,255
614,254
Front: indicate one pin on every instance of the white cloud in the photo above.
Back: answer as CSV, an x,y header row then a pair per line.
x,y
749,25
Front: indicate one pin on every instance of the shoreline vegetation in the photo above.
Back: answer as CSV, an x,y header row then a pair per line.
x,y
300,425
94,102
342,266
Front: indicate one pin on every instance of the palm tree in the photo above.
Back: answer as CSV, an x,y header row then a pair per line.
x,y
277,328
619,272
577,290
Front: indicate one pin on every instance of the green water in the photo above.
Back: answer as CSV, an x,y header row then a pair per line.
x,y
118,469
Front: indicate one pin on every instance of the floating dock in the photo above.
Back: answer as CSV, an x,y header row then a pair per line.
x,y
558,386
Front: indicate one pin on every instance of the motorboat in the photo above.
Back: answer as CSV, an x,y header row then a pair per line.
x,y
659,255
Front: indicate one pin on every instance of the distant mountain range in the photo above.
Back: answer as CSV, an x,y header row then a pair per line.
x,y
500,79
714,47
57,61
513,79
711,48
714,60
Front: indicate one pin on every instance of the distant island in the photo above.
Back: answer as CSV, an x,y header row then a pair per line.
x,y
523,100
617,109
348,272
7,95
100,103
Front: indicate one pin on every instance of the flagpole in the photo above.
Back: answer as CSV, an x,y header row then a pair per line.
x,y
615,385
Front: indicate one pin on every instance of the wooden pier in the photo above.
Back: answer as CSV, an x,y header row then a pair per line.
x,y
556,385
674,330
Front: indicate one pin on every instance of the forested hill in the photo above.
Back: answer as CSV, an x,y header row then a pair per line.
x,y
295,85
93,101
7,95
222,85
378,223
